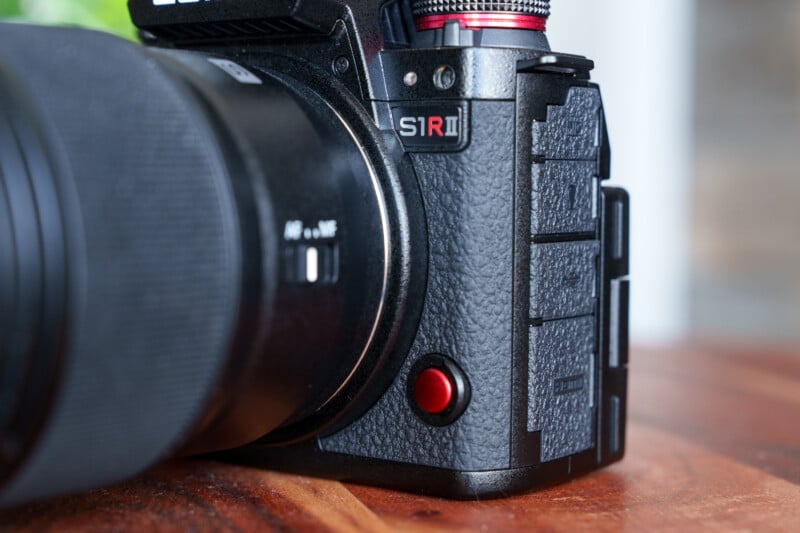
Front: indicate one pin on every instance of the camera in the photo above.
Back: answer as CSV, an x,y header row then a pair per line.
x,y
354,239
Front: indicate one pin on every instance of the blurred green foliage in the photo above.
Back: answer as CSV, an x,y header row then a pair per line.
x,y
111,15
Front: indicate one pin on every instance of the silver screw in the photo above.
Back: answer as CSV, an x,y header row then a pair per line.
x,y
410,79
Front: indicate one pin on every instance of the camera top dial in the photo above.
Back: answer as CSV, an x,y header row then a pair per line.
x,y
511,23
478,14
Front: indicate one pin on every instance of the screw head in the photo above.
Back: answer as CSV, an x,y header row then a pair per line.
x,y
341,65
410,79
444,78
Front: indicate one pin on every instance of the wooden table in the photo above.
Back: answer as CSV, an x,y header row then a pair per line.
x,y
714,442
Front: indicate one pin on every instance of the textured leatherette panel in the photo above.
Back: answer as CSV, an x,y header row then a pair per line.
x,y
563,195
561,406
571,131
563,279
564,275
468,310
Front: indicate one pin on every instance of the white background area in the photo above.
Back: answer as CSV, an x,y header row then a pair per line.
x,y
642,50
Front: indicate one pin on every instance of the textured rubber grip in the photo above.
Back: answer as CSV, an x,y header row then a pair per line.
x,y
153,260
536,8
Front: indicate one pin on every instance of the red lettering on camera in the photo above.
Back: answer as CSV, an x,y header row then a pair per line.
x,y
435,126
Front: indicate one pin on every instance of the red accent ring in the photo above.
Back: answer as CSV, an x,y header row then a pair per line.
x,y
478,21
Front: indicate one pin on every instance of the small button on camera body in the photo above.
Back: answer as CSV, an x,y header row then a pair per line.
x,y
437,390
444,78
433,391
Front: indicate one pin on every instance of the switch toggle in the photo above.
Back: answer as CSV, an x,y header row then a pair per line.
x,y
314,265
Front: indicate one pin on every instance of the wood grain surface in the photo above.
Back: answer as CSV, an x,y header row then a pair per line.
x,y
713,443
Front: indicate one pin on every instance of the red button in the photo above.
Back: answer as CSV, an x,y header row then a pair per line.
x,y
433,391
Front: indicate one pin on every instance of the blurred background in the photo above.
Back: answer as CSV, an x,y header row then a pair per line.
x,y
106,14
703,100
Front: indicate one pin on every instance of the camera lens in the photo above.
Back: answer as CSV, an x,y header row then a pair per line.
x,y
192,254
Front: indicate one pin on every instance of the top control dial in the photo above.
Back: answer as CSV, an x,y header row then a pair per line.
x,y
481,14
536,8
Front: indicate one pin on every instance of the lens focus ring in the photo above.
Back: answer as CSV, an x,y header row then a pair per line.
x,y
537,8
146,241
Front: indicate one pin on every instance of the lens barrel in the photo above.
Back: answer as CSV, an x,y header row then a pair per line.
x,y
32,277
155,295
137,230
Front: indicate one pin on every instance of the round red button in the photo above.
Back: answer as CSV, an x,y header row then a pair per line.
x,y
433,391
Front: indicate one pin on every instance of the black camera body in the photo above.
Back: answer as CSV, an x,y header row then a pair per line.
x,y
345,238
522,333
